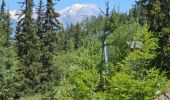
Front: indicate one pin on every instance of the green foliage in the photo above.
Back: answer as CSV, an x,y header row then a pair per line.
x,y
2,11
133,80
79,73
141,57
51,28
129,87
34,97
8,66
130,79
77,36
67,64
82,57
28,48
65,41
156,14
86,82
117,41
39,21
79,84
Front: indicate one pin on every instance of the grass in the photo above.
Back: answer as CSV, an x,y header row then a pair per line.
x,y
35,97
166,87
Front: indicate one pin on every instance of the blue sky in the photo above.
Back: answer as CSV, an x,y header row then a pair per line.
x,y
124,5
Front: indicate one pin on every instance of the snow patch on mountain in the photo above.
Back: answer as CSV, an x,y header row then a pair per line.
x,y
13,14
78,12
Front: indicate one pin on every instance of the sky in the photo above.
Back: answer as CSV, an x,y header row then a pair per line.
x,y
124,5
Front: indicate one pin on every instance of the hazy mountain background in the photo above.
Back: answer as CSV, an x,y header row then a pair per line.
x,y
72,14
78,12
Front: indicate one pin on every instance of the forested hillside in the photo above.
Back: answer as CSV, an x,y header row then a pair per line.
x,y
112,56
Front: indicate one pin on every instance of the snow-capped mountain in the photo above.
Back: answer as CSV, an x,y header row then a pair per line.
x,y
78,12
13,15
73,14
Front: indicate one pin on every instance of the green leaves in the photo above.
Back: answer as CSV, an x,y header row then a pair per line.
x,y
29,48
131,77
135,79
142,56
8,66
127,86
85,81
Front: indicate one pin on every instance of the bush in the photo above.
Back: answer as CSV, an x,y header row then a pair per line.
x,y
129,87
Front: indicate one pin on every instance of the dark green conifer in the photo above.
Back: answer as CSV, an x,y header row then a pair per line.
x,y
11,79
51,27
28,44
5,19
2,12
40,19
7,28
77,36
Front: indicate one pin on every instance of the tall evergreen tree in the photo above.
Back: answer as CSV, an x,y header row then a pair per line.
x,y
5,19
51,28
77,36
28,44
3,9
11,78
40,19
66,41
8,28
51,21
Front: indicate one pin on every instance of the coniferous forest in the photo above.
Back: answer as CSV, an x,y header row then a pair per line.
x,y
112,56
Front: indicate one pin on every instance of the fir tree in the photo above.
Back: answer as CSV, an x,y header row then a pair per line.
x,y
8,29
77,36
28,44
40,19
51,27
5,19
2,12
66,41
9,65
51,21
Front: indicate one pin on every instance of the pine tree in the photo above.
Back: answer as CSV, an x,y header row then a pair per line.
x,y
2,12
5,19
66,41
28,44
77,36
8,28
9,65
69,44
51,21
51,28
40,19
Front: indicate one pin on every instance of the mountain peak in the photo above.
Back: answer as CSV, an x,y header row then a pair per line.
x,y
78,12
75,8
